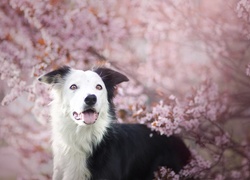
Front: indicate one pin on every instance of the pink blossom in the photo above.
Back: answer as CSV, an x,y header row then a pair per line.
x,y
221,140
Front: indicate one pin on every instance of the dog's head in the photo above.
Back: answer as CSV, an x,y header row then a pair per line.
x,y
86,95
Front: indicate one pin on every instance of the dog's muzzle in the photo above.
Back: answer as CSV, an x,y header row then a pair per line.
x,y
88,116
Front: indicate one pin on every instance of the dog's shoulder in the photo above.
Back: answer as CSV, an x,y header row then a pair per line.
x,y
141,149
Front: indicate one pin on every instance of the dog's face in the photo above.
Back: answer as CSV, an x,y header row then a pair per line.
x,y
85,94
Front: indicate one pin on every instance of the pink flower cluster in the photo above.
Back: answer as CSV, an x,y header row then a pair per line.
x,y
197,166
165,118
204,105
165,173
243,11
195,169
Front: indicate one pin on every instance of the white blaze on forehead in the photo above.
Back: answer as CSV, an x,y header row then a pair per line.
x,y
79,76
93,74
76,76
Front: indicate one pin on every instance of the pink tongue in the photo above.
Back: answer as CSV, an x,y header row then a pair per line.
x,y
89,117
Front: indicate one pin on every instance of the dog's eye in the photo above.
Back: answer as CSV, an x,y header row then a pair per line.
x,y
98,87
73,87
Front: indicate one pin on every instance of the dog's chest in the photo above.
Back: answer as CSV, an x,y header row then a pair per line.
x,y
71,149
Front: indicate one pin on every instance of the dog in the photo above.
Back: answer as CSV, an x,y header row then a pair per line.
x,y
88,144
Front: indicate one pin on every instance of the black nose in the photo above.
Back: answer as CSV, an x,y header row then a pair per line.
x,y
90,100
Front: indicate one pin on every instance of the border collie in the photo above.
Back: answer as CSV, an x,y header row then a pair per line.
x,y
88,144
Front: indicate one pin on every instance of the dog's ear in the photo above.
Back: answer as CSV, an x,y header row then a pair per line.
x,y
55,76
110,78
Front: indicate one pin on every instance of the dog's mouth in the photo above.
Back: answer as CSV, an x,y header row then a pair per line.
x,y
88,116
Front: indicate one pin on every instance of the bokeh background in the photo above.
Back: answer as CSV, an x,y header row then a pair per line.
x,y
187,61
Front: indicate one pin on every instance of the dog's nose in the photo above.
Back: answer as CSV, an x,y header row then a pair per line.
x,y
90,100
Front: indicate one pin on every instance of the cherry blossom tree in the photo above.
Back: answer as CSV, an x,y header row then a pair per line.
x,y
188,64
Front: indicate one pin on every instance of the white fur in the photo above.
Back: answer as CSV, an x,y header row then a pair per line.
x,y
72,140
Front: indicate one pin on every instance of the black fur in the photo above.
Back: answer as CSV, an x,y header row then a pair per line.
x,y
134,152
55,76
111,78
